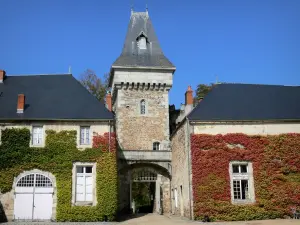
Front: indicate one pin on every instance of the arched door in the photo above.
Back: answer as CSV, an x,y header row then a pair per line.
x,y
33,198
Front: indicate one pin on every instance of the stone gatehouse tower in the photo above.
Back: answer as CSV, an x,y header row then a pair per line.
x,y
140,81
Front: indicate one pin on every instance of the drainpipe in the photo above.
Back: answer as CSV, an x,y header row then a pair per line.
x,y
189,165
109,136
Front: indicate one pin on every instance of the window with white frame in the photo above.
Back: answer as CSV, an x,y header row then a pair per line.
x,y
176,197
242,188
37,135
156,146
143,107
84,135
84,183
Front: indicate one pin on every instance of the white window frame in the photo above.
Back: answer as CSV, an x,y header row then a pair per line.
x,y
154,146
86,135
39,136
74,183
237,178
176,197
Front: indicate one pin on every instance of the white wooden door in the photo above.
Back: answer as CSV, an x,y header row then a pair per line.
x,y
43,199
23,207
33,198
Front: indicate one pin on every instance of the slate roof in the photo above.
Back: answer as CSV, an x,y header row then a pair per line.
x,y
132,56
248,102
49,97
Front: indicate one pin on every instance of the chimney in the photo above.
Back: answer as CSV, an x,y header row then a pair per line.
x,y
21,103
108,101
189,96
2,76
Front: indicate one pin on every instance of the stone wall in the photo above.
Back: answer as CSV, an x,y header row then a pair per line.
x,y
7,206
246,128
95,128
180,173
138,131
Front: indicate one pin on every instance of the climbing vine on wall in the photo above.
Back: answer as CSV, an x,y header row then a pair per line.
x,y
57,157
276,168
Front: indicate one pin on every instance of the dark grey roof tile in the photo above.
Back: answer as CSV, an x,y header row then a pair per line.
x,y
50,97
249,102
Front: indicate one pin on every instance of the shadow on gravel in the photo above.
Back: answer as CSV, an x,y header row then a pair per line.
x,y
127,217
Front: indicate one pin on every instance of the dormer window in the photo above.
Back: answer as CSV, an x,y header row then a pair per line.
x,y
142,41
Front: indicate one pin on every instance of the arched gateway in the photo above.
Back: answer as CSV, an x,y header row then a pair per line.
x,y
34,196
144,185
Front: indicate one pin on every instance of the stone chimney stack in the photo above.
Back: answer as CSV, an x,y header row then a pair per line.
x,y
189,96
21,103
2,76
108,101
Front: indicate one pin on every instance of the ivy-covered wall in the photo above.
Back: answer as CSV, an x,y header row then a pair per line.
x,y
276,168
58,157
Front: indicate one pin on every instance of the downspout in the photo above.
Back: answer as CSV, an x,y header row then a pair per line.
x,y
189,165
109,135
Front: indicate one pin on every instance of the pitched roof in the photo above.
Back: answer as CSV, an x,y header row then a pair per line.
x,y
132,56
49,97
249,102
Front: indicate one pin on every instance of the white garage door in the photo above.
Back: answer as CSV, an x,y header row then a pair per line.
x,y
33,198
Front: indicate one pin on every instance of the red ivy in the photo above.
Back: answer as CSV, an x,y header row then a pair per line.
x,y
106,142
276,167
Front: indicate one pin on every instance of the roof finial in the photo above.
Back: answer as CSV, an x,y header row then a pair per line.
x,y
146,8
70,70
132,5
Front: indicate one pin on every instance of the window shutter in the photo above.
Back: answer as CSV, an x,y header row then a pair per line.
x,y
80,188
88,188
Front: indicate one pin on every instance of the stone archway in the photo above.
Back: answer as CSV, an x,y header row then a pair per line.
x,y
146,172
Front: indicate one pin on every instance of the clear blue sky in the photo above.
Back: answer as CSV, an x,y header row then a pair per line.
x,y
241,41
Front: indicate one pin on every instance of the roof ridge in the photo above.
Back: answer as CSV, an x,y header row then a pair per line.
x,y
280,85
33,75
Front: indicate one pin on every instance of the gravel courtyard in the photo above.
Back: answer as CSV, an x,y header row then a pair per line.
x,y
154,219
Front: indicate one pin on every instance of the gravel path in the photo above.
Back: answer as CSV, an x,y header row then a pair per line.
x,y
154,219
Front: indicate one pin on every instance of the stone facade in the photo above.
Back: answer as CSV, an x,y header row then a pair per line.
x,y
95,128
180,171
138,131
246,128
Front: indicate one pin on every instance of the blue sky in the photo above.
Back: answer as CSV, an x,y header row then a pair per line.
x,y
239,41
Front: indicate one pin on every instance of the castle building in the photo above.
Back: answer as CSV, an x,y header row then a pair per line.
x,y
234,156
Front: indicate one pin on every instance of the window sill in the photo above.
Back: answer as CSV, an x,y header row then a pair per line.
x,y
83,204
37,146
84,146
242,202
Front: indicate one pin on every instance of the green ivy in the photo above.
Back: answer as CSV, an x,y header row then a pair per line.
x,y
57,157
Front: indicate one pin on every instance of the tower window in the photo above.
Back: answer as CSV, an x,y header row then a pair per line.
x,y
143,107
142,43
156,146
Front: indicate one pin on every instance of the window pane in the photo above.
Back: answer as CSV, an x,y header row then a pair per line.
x,y
79,169
245,194
243,168
156,146
143,107
236,189
235,168
88,169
